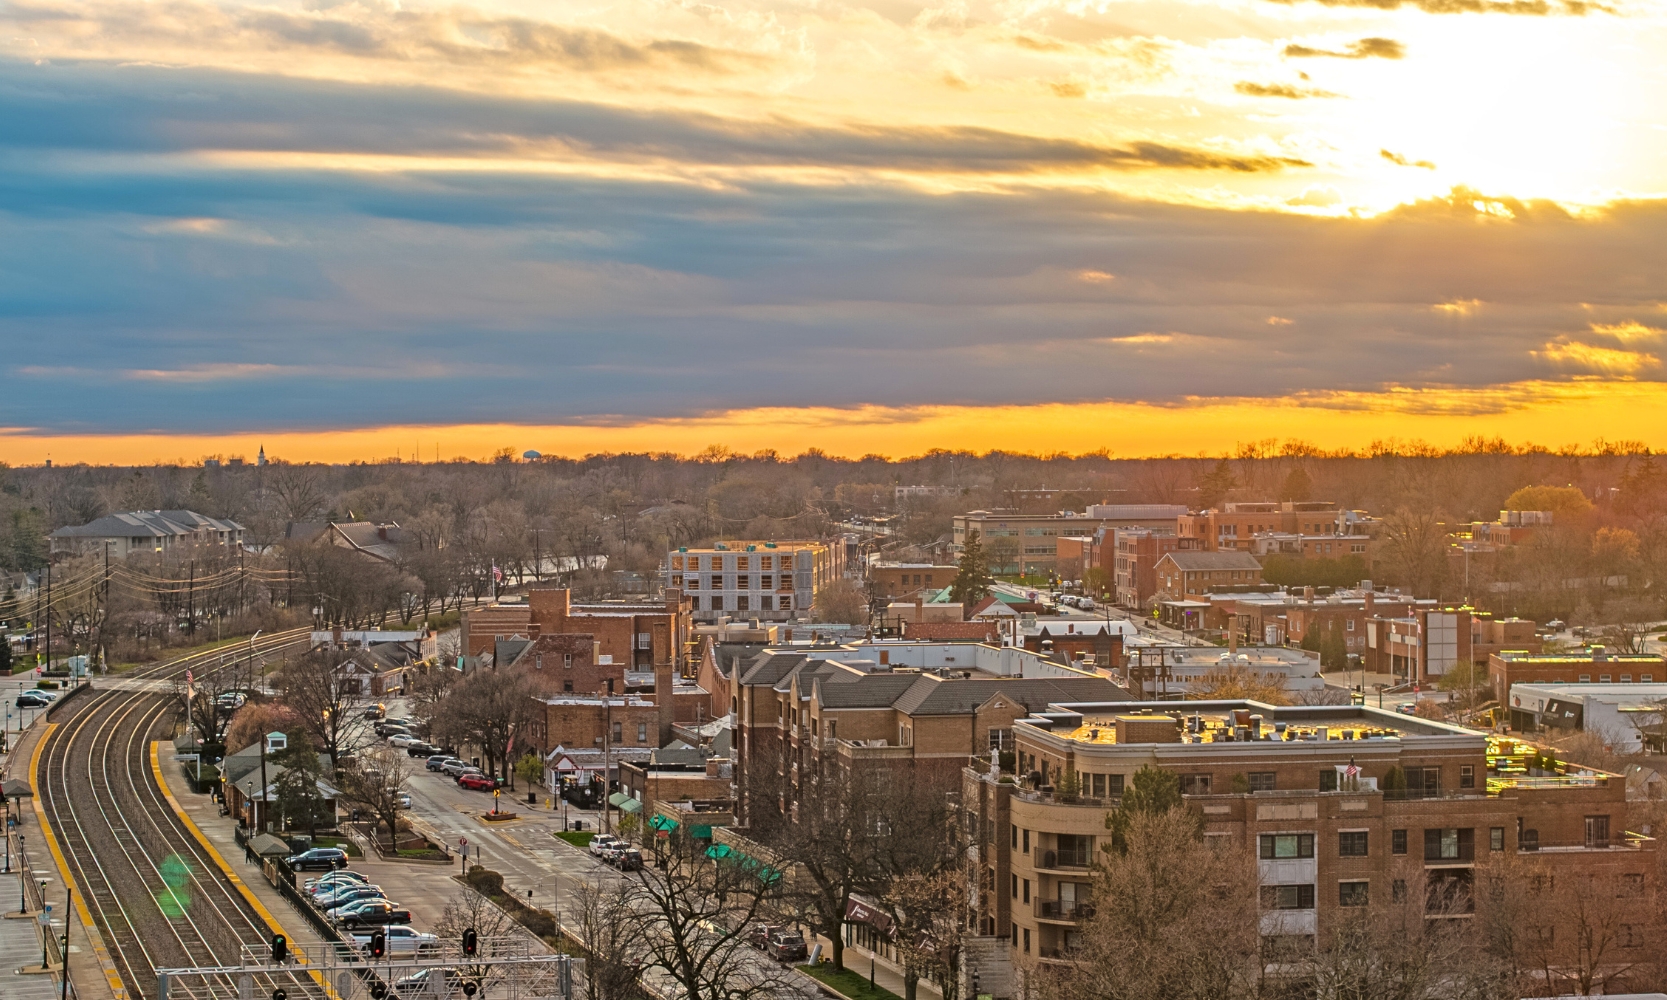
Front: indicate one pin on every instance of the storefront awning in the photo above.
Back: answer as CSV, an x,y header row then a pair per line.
x,y
659,822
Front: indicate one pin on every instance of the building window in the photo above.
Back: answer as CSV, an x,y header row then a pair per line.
x,y
1075,851
1114,784
642,732
1349,627
694,603
1026,897
1097,786
1277,846
1027,940
1597,831
1496,838
1015,887
567,661
1448,891
1528,840
1328,780
1467,776
1351,844
1262,781
766,583
1626,678
1397,842
764,603
1449,844
717,603
1585,678
1025,839
784,603
1398,890
1287,897
1423,782
998,739
1647,678
741,603
1603,678
567,686
619,732
1353,893
1195,784
1015,836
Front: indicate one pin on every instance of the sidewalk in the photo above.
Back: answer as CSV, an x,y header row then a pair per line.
x,y
886,975
87,979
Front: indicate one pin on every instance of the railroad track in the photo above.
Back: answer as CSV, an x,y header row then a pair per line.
x,y
156,897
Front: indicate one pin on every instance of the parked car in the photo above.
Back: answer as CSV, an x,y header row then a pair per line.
x,y
377,711
758,935
416,984
421,749
626,859
371,913
601,841
342,896
388,727
454,767
787,946
341,877
468,769
401,940
478,782
403,800
438,761
317,859
402,740
32,699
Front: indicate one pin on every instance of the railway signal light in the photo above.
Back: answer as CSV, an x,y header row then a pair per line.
x,y
378,944
469,987
471,942
280,951
279,994
378,990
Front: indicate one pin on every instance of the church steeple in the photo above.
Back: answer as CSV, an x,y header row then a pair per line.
x,y
261,458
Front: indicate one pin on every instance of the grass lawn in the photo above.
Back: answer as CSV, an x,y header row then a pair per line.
x,y
578,838
849,982
349,846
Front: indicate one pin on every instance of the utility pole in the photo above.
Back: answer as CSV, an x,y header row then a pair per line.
x,y
607,757
261,812
49,612
191,601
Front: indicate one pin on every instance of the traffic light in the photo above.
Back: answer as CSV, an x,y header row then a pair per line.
x,y
471,942
280,949
378,944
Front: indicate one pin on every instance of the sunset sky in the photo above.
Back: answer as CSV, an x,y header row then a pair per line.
x,y
367,229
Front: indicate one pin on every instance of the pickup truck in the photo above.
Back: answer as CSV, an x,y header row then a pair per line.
x,y
373,913
400,940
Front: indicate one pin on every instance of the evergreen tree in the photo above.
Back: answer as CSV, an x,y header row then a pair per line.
x,y
972,576
1214,486
1297,486
1152,792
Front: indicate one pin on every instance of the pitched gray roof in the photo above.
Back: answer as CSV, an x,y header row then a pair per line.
x,y
147,524
933,695
1213,560
768,668
871,691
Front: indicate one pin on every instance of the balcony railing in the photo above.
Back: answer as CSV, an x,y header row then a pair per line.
x,y
1064,909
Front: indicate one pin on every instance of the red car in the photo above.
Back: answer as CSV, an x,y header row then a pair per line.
x,y
478,782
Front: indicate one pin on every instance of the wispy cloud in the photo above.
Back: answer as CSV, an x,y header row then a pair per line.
x,y
1365,48
1402,161
1601,360
1279,90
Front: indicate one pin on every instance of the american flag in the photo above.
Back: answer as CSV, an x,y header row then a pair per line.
x,y
1351,771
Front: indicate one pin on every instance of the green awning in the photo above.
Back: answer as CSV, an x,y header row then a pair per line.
x,y
718,852
700,832
630,805
618,799
662,822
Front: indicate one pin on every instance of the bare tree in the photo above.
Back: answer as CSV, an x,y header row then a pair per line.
x,y
493,711
607,927
930,909
692,914
375,782
327,697
842,601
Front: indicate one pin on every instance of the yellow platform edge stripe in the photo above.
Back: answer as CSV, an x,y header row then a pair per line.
x,y
226,869
105,963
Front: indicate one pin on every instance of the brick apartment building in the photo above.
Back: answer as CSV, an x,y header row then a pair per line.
x,y
1029,543
801,710
1276,781
1192,575
1134,562
1233,525
1420,647
581,722
637,634
770,581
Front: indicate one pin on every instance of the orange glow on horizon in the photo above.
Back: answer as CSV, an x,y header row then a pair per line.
x,y
1553,414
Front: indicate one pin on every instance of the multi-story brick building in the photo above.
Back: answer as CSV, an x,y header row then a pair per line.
x,y
770,581
1135,553
1591,666
1188,577
580,722
895,579
922,707
1029,543
1420,647
636,634
1233,525
1314,793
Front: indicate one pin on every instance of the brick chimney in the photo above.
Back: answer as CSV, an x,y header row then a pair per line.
x,y
1371,603
664,702
920,613
549,607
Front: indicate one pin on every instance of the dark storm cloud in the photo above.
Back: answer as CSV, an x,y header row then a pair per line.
x,y
140,292
1366,48
136,109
